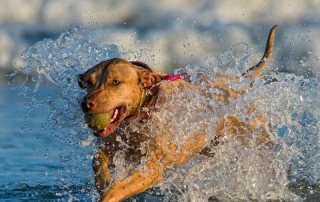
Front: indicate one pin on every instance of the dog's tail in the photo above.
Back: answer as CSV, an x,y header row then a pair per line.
x,y
263,64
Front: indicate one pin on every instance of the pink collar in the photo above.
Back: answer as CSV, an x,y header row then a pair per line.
x,y
172,77
154,96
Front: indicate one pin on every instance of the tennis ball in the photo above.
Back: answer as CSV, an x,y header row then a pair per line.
x,y
97,121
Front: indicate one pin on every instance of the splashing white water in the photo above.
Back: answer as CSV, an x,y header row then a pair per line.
x,y
240,173
289,103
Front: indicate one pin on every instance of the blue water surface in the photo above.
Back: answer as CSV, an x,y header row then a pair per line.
x,y
34,163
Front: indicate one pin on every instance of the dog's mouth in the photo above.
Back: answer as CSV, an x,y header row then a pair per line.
x,y
116,117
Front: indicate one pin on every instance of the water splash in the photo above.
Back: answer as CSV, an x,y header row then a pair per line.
x,y
240,173
236,172
50,82
60,61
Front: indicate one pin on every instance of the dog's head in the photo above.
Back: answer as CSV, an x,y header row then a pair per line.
x,y
116,87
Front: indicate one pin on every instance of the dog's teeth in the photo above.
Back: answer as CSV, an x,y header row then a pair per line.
x,y
115,115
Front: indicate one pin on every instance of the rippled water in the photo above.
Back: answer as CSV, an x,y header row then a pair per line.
x,y
287,102
36,163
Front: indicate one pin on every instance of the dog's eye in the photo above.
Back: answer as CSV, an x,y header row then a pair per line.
x,y
115,82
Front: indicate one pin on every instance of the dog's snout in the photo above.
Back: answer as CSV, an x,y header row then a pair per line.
x,y
87,104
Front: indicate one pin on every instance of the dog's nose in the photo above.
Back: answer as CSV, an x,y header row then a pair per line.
x,y
87,104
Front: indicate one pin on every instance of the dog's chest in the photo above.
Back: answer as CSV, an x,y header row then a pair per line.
x,y
133,145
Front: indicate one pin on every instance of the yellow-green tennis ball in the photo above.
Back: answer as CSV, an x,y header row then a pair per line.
x,y
97,121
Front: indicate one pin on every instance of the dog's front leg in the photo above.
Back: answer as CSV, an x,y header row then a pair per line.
x,y
140,180
102,174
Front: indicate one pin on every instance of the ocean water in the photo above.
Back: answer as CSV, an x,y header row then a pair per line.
x,y
34,165
46,149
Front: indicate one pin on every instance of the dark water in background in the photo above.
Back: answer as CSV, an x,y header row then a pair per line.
x,y
34,163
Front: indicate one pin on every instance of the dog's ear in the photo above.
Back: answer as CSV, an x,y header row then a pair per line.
x,y
148,79
146,76
82,84
141,64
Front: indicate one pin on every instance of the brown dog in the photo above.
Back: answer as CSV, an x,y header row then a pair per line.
x,y
129,91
